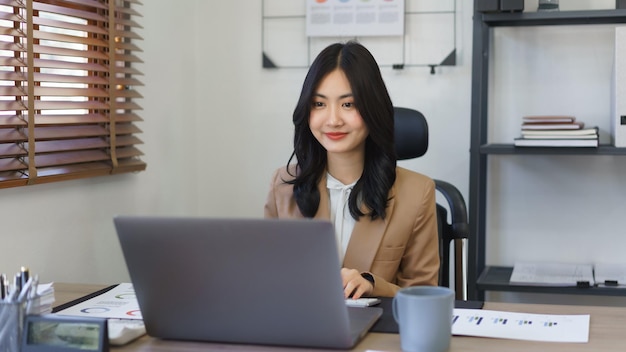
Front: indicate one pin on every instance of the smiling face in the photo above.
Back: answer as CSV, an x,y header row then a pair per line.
x,y
334,120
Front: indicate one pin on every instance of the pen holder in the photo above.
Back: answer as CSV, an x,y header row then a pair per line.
x,y
11,325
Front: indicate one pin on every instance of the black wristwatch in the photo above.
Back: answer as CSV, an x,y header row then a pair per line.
x,y
368,277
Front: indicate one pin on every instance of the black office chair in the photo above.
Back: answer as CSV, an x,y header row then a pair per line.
x,y
411,134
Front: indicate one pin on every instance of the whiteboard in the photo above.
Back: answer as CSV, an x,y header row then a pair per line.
x,y
429,36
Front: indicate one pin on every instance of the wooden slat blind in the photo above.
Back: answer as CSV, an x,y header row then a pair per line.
x,y
67,100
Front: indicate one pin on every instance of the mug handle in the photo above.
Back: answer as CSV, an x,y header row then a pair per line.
x,y
394,309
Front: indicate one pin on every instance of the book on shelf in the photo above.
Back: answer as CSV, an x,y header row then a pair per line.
x,y
549,119
590,132
530,273
556,142
557,136
575,125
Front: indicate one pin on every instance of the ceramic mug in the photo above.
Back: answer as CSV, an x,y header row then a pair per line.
x,y
424,315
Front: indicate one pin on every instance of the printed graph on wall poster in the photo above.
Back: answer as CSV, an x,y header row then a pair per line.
x,y
429,37
370,18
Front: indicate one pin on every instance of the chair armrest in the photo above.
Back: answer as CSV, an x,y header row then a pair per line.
x,y
458,209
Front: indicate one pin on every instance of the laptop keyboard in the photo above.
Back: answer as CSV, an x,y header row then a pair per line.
x,y
362,302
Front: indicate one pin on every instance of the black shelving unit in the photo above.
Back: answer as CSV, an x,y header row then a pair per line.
x,y
496,278
480,277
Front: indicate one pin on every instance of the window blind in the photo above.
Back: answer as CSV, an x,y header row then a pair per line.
x,y
68,105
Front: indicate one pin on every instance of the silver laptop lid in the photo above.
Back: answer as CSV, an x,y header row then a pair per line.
x,y
254,281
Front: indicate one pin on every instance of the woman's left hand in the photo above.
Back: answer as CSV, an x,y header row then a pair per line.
x,y
354,285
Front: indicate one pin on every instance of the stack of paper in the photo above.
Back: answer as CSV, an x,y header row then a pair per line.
x,y
569,274
552,274
42,303
556,131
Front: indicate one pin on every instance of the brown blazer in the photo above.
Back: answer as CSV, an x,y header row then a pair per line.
x,y
400,251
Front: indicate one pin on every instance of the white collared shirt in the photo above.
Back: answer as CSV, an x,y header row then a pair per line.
x,y
340,212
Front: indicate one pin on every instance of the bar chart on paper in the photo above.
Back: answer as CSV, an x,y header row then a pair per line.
x,y
520,326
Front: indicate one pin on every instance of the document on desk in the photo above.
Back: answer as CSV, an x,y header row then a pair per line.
x,y
521,326
117,303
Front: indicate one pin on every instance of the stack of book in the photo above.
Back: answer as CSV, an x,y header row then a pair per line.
x,y
556,131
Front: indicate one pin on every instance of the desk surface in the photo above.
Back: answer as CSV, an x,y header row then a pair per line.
x,y
606,331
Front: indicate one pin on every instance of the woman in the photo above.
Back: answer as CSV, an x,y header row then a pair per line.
x,y
345,171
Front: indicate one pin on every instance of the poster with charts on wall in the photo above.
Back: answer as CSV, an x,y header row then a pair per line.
x,y
349,18
430,30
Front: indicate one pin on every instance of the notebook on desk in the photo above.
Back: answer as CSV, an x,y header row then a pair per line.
x,y
252,281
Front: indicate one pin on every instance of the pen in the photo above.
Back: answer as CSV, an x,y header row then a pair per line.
x,y
24,293
32,303
34,286
11,296
24,275
17,283
3,288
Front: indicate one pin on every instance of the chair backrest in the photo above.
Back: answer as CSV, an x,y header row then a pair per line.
x,y
411,133
411,140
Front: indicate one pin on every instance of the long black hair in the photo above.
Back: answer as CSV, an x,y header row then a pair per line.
x,y
374,104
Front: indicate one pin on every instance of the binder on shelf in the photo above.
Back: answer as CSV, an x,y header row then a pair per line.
x,y
618,85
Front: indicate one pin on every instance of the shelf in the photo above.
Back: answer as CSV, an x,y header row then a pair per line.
x,y
603,149
486,278
496,278
554,18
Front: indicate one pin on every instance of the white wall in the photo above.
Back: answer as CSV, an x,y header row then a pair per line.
x,y
72,238
217,124
244,112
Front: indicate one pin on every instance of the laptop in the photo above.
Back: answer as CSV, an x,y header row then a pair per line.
x,y
246,281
